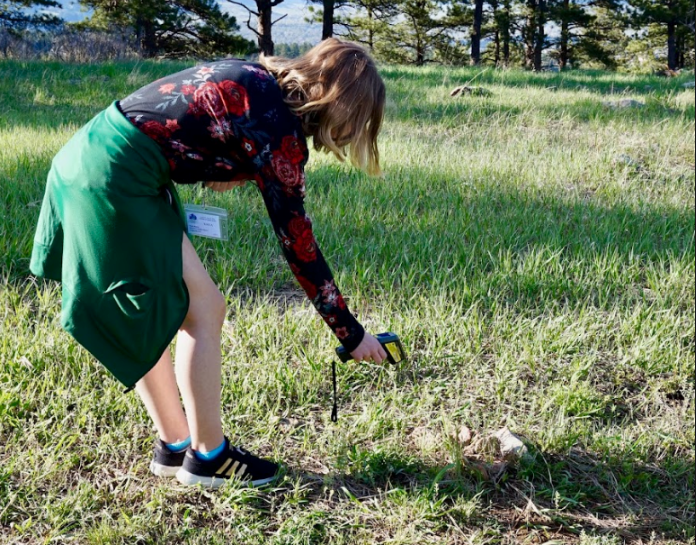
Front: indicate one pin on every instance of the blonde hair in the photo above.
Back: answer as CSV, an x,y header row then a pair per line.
x,y
336,89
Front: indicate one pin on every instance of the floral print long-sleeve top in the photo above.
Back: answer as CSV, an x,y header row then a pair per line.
x,y
226,121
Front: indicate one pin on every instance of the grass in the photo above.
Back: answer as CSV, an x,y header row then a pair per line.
x,y
533,248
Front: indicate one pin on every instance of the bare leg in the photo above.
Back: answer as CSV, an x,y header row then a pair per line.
x,y
198,358
198,366
160,395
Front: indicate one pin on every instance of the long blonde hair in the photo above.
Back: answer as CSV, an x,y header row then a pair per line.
x,y
336,89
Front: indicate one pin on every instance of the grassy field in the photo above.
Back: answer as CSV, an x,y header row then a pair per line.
x,y
534,248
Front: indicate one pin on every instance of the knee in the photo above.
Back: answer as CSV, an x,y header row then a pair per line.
x,y
207,310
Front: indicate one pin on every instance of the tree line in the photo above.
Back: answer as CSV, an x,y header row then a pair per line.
x,y
529,33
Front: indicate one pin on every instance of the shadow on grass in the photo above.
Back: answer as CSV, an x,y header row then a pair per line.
x,y
467,109
526,248
595,81
408,90
52,95
549,496
484,245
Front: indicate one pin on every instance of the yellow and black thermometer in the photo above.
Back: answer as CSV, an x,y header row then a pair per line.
x,y
392,346
395,355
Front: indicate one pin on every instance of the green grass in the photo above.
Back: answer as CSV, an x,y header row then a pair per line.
x,y
533,248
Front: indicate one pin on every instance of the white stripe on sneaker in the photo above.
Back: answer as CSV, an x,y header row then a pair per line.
x,y
231,470
224,467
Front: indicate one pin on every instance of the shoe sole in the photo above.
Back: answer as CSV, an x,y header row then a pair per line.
x,y
185,477
163,471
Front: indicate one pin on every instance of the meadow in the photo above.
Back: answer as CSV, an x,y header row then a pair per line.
x,y
534,249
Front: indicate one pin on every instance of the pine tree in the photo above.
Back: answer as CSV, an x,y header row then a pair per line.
x,y
504,24
676,16
580,28
603,41
499,25
423,32
369,24
172,27
534,32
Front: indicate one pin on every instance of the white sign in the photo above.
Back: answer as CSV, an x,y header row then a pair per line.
x,y
206,222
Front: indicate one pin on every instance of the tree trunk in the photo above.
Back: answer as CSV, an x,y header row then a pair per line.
x,y
420,53
540,36
328,23
146,38
263,27
4,41
476,33
506,34
506,50
565,36
529,34
497,48
672,60
496,36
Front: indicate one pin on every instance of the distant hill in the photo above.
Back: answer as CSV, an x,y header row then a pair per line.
x,y
292,29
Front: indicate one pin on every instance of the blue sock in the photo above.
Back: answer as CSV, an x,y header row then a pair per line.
x,y
209,455
181,445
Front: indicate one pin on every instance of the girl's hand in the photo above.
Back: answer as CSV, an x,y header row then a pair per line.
x,y
221,187
369,350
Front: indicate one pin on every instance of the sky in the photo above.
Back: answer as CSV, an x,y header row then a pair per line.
x,y
292,29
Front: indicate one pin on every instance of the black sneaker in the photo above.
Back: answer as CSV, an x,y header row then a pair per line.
x,y
231,463
166,462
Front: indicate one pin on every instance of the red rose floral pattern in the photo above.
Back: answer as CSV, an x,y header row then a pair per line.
x,y
235,97
293,150
225,121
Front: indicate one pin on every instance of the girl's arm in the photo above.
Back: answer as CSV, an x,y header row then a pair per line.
x,y
281,184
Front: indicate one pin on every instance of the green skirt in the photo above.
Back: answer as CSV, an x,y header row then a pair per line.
x,y
110,229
